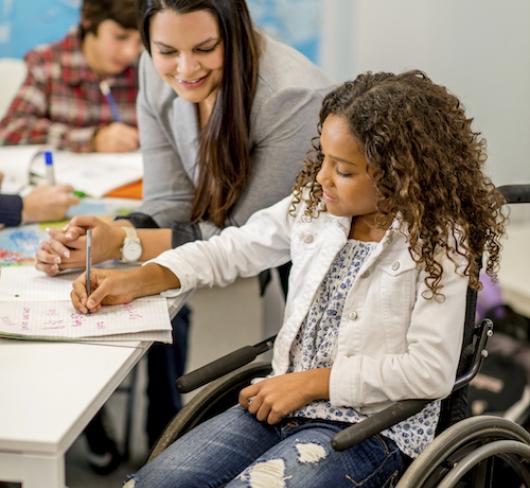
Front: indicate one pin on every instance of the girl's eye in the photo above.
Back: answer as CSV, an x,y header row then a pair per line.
x,y
341,173
166,53
204,50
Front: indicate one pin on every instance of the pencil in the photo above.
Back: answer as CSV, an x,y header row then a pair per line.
x,y
88,261
105,89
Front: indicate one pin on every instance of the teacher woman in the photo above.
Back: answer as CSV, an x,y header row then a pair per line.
x,y
226,115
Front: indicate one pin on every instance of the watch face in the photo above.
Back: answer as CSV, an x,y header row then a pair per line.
x,y
132,251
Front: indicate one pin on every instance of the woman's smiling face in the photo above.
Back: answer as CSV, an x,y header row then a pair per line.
x,y
188,53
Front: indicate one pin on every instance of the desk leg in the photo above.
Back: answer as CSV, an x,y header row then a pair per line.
x,y
33,470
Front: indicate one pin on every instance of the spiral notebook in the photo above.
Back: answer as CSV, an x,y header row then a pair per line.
x,y
36,307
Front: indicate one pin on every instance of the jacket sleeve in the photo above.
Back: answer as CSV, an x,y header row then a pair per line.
x,y
10,210
27,119
263,242
427,369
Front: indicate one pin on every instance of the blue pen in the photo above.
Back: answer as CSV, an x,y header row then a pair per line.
x,y
105,89
50,173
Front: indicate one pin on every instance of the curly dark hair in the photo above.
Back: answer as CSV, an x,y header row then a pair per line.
x,y
427,166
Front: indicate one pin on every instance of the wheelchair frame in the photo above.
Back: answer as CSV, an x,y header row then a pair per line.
x,y
463,449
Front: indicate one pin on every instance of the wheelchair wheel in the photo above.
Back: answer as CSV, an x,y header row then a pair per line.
x,y
213,399
466,451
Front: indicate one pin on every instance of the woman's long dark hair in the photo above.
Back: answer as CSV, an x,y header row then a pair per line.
x,y
224,146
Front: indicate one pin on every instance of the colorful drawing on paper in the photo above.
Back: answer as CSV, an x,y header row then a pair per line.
x,y
18,245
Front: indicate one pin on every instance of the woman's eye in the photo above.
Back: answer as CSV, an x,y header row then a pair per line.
x,y
166,53
204,50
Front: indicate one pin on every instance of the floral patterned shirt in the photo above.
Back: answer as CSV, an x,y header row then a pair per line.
x,y
315,346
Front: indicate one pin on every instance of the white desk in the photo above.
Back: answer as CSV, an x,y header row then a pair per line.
x,y
49,393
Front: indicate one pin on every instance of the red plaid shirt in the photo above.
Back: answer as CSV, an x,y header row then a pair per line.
x,y
60,102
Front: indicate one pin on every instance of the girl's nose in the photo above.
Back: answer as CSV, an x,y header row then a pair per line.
x,y
324,175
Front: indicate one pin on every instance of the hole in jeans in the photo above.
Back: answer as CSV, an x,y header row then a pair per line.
x,y
310,453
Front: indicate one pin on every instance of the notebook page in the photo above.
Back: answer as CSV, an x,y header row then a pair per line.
x,y
35,305
59,319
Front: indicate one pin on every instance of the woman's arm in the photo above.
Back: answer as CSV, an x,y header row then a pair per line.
x,y
168,191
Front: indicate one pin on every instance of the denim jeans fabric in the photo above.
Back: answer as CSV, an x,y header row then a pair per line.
x,y
165,363
235,448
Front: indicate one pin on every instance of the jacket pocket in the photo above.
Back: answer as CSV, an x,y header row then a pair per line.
x,y
398,294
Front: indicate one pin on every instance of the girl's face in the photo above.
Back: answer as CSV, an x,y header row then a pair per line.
x,y
348,189
188,52
112,49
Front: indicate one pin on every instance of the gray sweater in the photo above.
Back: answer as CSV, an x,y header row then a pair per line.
x,y
284,119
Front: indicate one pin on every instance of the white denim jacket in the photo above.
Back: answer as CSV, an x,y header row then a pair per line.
x,y
393,343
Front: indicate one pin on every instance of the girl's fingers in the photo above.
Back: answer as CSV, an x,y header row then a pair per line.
x,y
79,294
246,394
263,411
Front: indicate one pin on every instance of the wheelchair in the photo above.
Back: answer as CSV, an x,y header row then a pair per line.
x,y
466,450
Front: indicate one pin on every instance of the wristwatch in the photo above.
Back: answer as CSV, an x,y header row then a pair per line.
x,y
132,247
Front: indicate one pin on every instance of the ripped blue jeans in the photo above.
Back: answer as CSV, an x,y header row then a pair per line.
x,y
237,450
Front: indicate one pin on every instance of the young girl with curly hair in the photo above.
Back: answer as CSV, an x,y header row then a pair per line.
x,y
384,229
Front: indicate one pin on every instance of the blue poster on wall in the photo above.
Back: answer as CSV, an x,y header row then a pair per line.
x,y
27,23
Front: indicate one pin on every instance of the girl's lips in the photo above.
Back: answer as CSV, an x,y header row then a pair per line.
x,y
191,84
328,198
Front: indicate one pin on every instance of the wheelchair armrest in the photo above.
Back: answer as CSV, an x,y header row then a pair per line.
x,y
375,424
222,366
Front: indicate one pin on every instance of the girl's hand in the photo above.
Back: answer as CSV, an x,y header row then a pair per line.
x,y
112,286
109,287
65,248
274,398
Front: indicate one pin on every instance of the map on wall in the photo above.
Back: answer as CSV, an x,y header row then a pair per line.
x,y
27,23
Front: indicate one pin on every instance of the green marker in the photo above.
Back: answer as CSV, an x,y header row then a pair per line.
x,y
80,194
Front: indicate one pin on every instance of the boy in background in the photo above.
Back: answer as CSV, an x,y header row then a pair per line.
x,y
62,102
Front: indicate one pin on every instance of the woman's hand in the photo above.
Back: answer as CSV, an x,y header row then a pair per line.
x,y
65,248
275,398
112,286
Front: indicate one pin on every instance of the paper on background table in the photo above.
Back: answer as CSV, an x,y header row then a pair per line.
x,y
15,163
33,305
94,173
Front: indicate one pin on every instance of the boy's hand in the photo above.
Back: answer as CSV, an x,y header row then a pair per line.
x,y
116,137
275,398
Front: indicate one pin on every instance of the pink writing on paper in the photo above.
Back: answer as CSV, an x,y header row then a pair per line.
x,y
132,315
25,317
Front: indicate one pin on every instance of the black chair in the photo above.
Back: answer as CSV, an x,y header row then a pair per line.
x,y
465,450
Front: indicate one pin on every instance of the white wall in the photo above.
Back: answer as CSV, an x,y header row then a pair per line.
x,y
480,49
